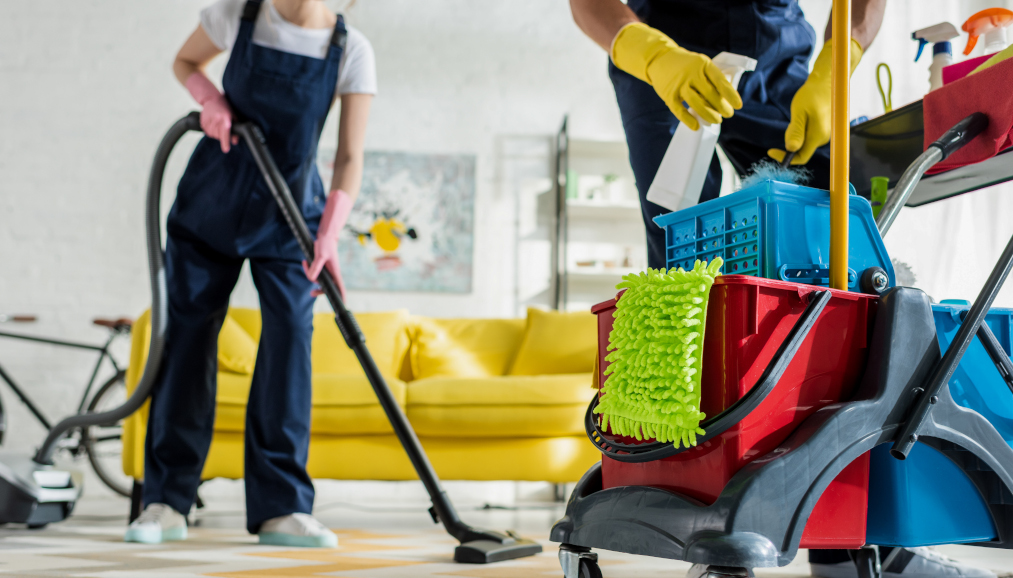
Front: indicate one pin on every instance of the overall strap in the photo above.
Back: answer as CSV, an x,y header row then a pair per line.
x,y
251,10
340,35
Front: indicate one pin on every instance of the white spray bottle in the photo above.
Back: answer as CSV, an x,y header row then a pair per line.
x,y
680,178
942,51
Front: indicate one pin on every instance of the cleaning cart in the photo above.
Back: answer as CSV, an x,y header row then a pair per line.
x,y
825,394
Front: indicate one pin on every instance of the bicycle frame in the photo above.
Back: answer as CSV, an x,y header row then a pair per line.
x,y
104,354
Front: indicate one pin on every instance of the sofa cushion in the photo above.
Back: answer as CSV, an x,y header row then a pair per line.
x,y
342,404
524,406
386,337
237,351
249,319
557,343
464,347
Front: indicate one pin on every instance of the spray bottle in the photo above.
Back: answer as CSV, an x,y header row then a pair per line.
x,y
680,178
991,23
942,52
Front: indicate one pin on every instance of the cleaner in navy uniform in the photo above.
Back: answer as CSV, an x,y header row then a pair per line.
x,y
661,69
290,61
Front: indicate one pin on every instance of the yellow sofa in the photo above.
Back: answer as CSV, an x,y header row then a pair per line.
x,y
490,399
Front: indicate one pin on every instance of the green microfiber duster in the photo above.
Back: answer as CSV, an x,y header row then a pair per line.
x,y
652,385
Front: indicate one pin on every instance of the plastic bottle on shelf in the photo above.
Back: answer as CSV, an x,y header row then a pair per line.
x,y
682,172
942,51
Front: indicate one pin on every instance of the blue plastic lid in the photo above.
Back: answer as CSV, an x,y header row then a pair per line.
x,y
955,302
942,47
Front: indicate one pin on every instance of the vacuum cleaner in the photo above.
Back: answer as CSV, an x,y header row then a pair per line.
x,y
33,492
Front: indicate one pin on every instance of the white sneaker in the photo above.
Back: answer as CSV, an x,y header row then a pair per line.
x,y
909,563
157,523
299,530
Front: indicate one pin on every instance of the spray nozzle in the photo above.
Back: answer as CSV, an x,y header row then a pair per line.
x,y
733,65
991,22
941,32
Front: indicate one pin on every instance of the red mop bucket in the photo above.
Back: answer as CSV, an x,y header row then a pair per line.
x,y
747,320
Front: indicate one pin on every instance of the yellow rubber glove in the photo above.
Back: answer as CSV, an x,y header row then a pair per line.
x,y
676,74
809,128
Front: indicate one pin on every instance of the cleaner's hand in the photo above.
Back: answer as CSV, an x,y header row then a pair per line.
x,y
676,74
325,254
215,114
325,248
809,128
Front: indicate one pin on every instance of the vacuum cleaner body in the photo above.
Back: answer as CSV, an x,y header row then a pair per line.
x,y
35,494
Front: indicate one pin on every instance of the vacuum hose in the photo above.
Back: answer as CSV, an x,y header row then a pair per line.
x,y
156,275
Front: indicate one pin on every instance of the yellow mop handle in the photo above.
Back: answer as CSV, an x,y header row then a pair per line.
x,y
839,143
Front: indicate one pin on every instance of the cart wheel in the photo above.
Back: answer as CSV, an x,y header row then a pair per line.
x,y
589,568
578,562
874,281
707,571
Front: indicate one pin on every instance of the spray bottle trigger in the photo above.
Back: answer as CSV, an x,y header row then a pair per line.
x,y
921,46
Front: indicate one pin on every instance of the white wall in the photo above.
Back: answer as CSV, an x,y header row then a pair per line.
x,y
86,93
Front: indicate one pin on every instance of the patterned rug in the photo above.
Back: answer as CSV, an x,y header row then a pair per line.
x,y
99,551
383,532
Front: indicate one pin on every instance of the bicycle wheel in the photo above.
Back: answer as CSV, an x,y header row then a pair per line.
x,y
104,442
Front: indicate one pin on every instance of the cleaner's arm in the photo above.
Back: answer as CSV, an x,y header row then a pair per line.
x,y
344,185
676,74
215,115
809,128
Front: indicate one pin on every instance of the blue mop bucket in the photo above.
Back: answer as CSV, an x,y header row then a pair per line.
x,y
926,499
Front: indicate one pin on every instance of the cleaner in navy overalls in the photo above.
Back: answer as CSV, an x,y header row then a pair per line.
x,y
661,68
290,60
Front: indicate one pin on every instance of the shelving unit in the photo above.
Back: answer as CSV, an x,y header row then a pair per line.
x,y
596,227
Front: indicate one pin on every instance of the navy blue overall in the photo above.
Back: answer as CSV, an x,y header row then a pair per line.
x,y
775,33
224,215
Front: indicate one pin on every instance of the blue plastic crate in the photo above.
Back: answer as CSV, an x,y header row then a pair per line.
x,y
927,499
773,230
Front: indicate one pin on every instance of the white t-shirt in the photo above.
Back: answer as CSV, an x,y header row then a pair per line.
x,y
357,71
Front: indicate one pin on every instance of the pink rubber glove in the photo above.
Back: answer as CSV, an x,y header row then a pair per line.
x,y
325,248
215,114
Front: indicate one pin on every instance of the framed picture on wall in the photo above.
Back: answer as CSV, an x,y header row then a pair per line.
x,y
412,228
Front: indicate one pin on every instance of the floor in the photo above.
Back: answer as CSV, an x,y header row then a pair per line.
x,y
383,528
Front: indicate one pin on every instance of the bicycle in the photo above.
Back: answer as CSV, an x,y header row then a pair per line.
x,y
102,444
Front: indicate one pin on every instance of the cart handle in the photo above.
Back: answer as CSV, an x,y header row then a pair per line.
x,y
952,140
717,425
995,353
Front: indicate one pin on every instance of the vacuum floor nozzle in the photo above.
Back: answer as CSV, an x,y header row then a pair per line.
x,y
489,551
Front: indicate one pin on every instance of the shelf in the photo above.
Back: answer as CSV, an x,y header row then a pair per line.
x,y
588,210
596,275
993,171
598,148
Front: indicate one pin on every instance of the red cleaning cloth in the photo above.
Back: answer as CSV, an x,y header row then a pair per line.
x,y
989,91
961,69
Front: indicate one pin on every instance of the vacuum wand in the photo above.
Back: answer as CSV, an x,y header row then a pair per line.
x,y
477,546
